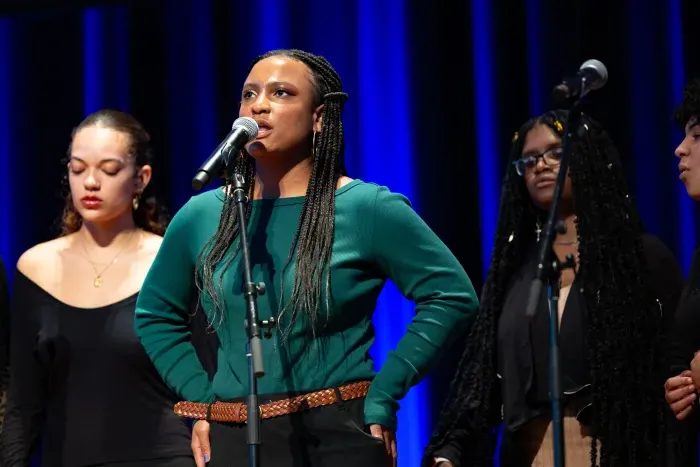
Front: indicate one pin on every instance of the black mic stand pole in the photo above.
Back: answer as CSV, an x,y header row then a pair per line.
x,y
252,324
549,269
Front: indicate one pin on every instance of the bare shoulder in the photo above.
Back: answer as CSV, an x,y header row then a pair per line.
x,y
150,242
342,181
39,262
149,246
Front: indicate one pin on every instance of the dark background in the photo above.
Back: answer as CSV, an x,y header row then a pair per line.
x,y
416,120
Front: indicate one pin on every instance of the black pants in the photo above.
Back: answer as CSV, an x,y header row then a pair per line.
x,y
164,462
330,436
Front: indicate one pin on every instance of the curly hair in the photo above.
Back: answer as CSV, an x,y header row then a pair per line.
x,y
623,333
151,215
690,105
313,240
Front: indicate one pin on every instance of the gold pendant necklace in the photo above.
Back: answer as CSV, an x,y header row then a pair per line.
x,y
97,283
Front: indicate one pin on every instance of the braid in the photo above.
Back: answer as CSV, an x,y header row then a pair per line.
x,y
313,240
474,402
624,338
216,247
625,362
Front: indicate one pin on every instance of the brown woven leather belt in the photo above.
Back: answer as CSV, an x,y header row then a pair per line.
x,y
237,412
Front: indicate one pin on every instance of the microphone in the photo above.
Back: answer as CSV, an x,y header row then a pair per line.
x,y
591,76
244,129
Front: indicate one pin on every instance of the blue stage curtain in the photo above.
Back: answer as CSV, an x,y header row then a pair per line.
x,y
436,92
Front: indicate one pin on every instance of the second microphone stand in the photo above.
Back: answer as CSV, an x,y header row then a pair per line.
x,y
549,269
253,325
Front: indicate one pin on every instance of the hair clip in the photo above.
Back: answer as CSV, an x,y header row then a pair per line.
x,y
558,125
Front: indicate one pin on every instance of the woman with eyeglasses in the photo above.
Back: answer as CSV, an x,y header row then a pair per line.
x,y
614,306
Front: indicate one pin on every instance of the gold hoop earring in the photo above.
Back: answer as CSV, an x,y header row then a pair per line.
x,y
313,146
135,202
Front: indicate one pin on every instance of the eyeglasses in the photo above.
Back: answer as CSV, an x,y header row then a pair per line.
x,y
551,157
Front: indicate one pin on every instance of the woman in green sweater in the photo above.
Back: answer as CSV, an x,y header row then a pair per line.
x,y
324,245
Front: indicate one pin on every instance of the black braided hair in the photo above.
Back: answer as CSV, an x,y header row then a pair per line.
x,y
313,239
690,105
623,335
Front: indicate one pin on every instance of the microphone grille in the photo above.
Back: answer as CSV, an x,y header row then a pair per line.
x,y
597,67
249,125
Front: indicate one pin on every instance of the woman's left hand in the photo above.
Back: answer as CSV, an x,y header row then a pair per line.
x,y
695,369
389,437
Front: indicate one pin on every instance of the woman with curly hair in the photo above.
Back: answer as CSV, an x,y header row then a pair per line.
x,y
613,310
682,387
80,382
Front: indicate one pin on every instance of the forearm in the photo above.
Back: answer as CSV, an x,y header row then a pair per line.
x,y
21,428
433,329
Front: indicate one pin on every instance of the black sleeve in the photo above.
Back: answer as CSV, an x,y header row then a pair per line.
x,y
453,447
667,283
4,336
664,274
28,378
680,304
683,335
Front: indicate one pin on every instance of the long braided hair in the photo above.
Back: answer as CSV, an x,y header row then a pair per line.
x,y
313,239
623,334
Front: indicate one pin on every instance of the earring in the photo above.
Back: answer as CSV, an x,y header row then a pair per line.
x,y
135,202
313,146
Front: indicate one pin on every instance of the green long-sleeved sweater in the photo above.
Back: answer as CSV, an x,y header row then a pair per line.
x,y
377,236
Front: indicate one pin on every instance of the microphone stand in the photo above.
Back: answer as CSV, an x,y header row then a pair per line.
x,y
549,269
252,324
